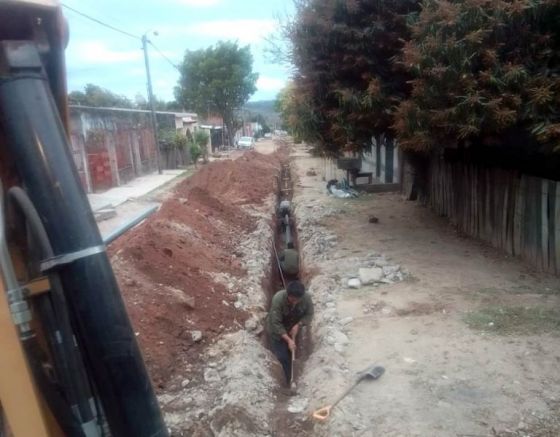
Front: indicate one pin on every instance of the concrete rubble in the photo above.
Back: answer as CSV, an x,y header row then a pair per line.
x,y
221,404
339,273
217,402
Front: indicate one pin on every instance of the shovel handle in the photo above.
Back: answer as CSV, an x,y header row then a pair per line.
x,y
322,414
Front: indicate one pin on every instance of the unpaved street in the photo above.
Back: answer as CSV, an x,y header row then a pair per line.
x,y
468,337
443,378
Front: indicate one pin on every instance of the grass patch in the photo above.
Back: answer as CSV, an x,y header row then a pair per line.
x,y
514,320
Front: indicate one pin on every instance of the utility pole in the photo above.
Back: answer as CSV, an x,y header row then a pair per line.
x,y
151,99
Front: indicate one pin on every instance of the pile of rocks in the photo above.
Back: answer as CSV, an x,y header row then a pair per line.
x,y
338,271
256,252
221,404
314,237
377,270
232,395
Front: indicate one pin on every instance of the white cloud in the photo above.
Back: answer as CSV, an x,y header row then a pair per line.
x,y
137,72
265,83
199,3
163,83
97,52
246,31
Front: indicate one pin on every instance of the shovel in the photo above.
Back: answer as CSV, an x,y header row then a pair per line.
x,y
372,373
292,383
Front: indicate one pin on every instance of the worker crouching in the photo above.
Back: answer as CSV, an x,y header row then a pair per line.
x,y
290,310
289,262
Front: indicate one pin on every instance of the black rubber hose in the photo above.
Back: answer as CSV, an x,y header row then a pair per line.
x,y
54,311
60,409
67,421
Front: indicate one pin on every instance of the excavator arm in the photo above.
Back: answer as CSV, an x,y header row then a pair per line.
x,y
70,364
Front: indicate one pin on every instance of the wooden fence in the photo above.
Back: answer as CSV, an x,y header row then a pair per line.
x,y
517,213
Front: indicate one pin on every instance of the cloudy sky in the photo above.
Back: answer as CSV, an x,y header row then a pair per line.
x,y
115,61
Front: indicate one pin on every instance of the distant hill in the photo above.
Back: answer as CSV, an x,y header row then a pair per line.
x,y
266,109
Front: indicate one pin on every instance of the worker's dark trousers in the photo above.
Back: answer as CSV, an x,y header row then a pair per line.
x,y
282,352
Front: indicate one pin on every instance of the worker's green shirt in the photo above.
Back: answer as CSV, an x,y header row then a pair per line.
x,y
282,317
289,261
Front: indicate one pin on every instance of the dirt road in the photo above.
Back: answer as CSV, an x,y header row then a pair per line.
x,y
469,338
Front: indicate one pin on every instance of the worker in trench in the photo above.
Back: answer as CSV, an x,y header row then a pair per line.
x,y
289,311
289,262
283,214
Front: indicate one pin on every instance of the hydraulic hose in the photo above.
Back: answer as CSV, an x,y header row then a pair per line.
x,y
22,316
67,421
19,309
54,312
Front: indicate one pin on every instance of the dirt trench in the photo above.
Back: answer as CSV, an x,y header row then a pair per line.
x,y
283,422
277,279
197,279
228,383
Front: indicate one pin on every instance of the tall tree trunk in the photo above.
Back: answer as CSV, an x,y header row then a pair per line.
x,y
228,121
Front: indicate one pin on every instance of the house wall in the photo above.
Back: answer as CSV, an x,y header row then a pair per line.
x,y
112,147
331,171
382,160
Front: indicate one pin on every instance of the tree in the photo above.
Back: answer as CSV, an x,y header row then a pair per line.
x,y
94,95
298,114
140,102
218,79
199,146
201,138
174,146
264,127
486,73
346,82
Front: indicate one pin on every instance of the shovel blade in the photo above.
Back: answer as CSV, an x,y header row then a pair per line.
x,y
371,373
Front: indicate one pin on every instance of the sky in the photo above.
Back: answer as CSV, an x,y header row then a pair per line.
x,y
115,61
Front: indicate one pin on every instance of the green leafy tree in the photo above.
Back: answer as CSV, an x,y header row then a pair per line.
x,y
346,83
200,139
218,79
174,144
485,73
299,116
94,95
166,138
141,102
195,152
261,120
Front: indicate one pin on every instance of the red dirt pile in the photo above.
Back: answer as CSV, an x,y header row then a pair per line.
x,y
239,183
166,267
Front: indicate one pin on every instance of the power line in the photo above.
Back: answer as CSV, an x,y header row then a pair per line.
x,y
173,64
116,29
101,22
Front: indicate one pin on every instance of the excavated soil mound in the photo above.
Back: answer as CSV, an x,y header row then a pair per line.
x,y
177,269
246,181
